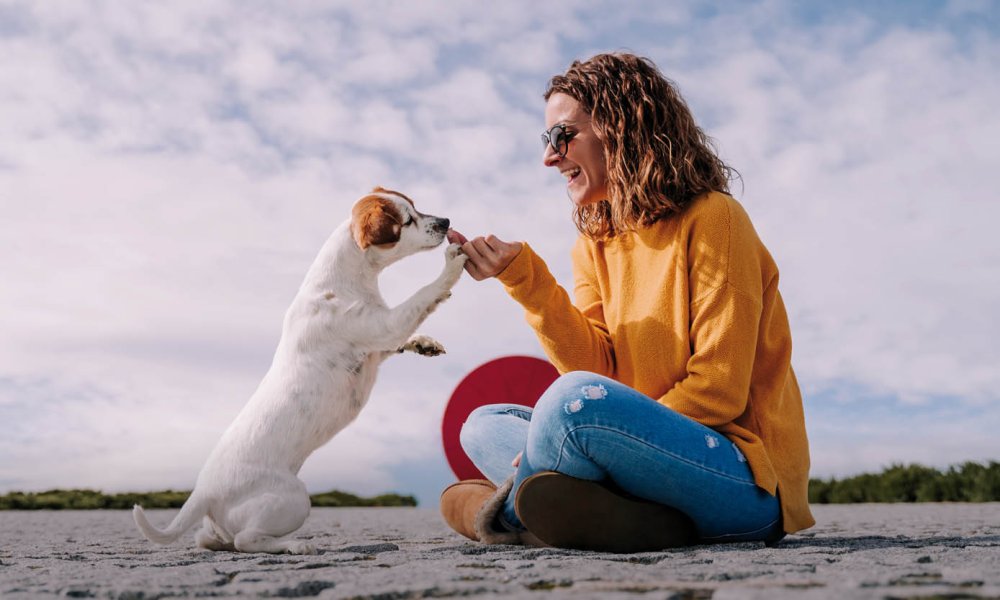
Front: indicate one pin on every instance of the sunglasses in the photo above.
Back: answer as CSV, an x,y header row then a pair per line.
x,y
558,138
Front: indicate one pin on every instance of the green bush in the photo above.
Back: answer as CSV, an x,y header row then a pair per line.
x,y
335,498
969,482
92,499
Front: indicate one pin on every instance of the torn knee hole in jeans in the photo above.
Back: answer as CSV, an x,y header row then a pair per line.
x,y
590,392
594,392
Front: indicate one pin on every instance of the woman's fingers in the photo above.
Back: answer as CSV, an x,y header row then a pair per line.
x,y
488,256
484,249
472,269
493,254
474,266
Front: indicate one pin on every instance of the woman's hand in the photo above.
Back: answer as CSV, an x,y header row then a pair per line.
x,y
488,256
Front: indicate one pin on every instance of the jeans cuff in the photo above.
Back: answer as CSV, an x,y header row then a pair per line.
x,y
504,521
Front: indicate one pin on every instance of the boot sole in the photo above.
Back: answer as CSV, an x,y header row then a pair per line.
x,y
566,512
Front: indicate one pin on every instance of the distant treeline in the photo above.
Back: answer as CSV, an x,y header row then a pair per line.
x,y
968,482
91,499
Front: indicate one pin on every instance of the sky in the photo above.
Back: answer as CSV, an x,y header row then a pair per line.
x,y
169,170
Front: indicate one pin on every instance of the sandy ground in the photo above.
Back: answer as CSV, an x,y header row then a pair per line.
x,y
858,551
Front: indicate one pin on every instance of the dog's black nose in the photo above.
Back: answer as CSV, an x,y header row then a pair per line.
x,y
442,224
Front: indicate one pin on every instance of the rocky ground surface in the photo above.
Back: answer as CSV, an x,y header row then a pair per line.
x,y
947,551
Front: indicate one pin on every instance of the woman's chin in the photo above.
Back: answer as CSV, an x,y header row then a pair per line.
x,y
581,194
577,195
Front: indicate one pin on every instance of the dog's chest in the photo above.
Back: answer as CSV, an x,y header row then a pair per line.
x,y
340,390
362,369
348,377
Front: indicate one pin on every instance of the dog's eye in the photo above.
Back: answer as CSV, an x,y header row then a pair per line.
x,y
409,222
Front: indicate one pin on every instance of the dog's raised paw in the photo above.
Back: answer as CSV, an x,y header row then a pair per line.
x,y
454,251
435,350
424,346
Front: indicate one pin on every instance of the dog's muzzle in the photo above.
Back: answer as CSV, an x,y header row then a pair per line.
x,y
441,225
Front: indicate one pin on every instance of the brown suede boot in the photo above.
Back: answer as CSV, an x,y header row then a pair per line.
x,y
460,503
566,512
471,507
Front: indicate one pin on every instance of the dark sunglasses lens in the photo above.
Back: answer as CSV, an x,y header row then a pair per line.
x,y
556,137
559,141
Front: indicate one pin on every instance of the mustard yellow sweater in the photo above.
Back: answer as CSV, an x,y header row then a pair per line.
x,y
686,311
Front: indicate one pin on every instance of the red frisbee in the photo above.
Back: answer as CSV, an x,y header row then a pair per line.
x,y
506,380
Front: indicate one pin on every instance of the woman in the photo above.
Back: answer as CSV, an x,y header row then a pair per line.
x,y
678,418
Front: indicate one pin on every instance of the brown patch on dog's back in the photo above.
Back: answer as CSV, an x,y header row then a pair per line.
x,y
375,221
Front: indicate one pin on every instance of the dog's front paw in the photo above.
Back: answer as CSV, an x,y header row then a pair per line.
x,y
423,345
453,252
454,261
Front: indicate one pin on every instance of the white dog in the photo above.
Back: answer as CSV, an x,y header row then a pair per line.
x,y
335,335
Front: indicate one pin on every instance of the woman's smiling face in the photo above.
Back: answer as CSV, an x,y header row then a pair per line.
x,y
584,165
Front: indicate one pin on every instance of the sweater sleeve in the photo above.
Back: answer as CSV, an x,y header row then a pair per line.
x,y
575,338
725,311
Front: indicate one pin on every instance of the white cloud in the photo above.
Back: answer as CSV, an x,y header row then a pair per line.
x,y
468,96
535,52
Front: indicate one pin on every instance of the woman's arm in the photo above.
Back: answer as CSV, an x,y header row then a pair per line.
x,y
488,256
573,339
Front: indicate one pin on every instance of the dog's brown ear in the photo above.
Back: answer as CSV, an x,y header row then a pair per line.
x,y
375,221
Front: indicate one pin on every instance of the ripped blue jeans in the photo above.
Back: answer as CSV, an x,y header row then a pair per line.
x,y
591,427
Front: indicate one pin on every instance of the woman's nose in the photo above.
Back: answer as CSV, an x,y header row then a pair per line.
x,y
550,157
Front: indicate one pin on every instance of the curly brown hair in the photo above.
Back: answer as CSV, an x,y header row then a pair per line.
x,y
658,159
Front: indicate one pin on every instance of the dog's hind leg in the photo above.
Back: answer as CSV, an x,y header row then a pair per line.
x,y
250,540
270,518
210,538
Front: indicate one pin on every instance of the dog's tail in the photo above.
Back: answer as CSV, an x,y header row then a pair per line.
x,y
193,510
